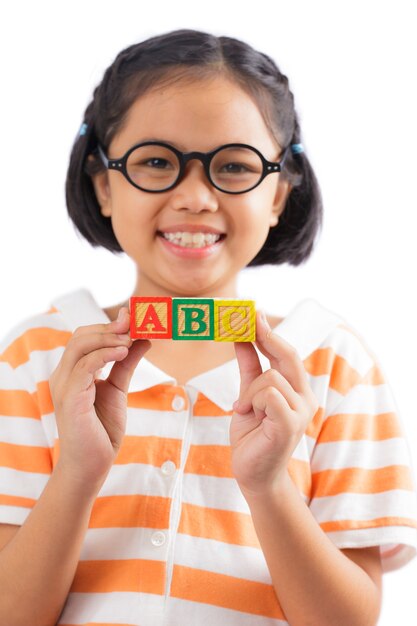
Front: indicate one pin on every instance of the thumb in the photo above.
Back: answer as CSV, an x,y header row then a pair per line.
x,y
249,367
122,371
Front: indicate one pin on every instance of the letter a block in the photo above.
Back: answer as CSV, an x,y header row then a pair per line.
x,y
150,318
192,319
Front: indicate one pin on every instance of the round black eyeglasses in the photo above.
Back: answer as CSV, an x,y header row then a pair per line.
x,y
156,167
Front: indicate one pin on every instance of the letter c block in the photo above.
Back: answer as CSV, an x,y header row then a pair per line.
x,y
234,320
150,318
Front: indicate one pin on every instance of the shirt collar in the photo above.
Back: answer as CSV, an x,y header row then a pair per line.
x,y
305,327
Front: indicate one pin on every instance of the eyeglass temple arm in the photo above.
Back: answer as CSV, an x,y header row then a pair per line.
x,y
102,155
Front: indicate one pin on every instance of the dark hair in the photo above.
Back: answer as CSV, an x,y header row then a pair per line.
x,y
189,55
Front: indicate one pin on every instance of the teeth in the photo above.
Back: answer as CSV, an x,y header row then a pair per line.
x,y
192,240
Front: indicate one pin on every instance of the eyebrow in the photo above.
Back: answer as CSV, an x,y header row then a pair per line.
x,y
179,146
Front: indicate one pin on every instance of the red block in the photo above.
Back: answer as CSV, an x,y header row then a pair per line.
x,y
150,318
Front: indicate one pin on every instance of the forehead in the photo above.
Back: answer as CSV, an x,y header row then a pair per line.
x,y
195,115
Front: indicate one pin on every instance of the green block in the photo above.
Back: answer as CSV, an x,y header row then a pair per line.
x,y
193,318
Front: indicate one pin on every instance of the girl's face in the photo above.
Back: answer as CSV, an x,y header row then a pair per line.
x,y
197,116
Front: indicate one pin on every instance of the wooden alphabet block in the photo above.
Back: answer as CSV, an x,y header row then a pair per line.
x,y
150,318
192,319
234,320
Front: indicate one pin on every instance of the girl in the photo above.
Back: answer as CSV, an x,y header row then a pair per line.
x,y
189,482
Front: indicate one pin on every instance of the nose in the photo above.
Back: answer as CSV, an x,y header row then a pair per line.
x,y
194,192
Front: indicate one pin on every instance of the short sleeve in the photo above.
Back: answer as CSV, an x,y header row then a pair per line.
x,y
25,448
363,487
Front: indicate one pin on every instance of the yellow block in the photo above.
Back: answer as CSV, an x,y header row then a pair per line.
x,y
234,320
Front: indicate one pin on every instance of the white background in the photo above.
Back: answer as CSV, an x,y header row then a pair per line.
x,y
352,69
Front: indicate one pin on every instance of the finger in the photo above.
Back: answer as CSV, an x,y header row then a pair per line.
x,y
122,371
119,325
85,371
249,364
282,356
268,402
82,344
269,379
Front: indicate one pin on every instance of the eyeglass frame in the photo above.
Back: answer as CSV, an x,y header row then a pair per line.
x,y
119,165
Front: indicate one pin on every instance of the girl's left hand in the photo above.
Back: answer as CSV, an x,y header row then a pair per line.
x,y
271,414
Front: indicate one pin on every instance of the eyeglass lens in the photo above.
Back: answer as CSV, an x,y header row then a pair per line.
x,y
154,168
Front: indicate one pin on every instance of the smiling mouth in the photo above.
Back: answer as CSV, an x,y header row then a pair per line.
x,y
192,240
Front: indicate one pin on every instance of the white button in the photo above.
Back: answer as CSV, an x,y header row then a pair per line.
x,y
168,468
158,539
178,403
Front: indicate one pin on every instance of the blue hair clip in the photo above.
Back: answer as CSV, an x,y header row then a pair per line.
x,y
83,129
297,148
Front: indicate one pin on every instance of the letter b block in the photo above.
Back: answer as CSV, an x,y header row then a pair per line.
x,y
193,318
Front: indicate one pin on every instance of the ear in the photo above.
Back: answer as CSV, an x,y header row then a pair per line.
x,y
281,195
102,189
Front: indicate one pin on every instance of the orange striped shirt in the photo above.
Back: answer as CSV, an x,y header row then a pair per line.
x,y
170,539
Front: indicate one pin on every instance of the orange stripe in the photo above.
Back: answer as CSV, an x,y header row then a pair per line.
x,y
138,575
324,361
44,398
358,480
158,398
210,461
149,450
27,503
130,512
18,403
356,426
300,473
373,523
314,427
26,458
204,407
227,526
34,339
228,592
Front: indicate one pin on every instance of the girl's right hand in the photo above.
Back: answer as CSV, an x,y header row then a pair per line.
x,y
91,413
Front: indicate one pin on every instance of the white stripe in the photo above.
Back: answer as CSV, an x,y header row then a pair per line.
x,y
351,348
51,320
13,514
22,431
151,610
358,506
137,479
39,367
123,543
183,613
363,399
385,536
211,431
22,484
145,609
148,422
362,454
319,386
214,492
243,562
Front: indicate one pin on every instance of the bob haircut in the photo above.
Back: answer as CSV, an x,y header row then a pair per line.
x,y
193,55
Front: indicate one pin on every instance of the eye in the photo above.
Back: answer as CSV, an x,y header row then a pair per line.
x,y
235,168
157,163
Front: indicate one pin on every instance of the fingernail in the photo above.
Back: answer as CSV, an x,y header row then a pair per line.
x,y
235,406
119,315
